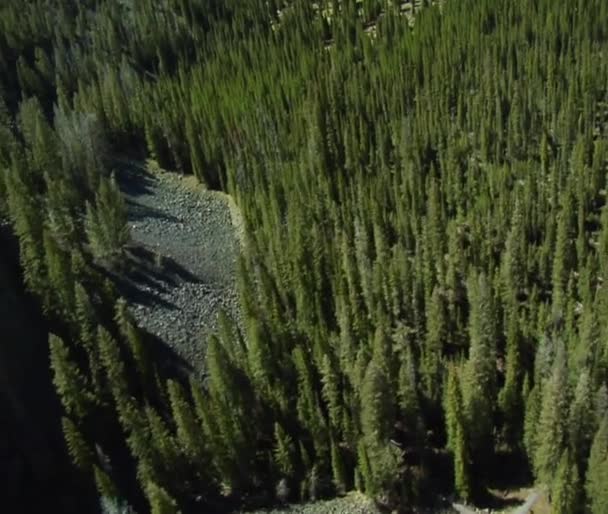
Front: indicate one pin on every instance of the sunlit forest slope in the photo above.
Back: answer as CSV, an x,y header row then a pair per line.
x,y
424,275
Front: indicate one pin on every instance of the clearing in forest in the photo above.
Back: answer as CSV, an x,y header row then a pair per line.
x,y
184,255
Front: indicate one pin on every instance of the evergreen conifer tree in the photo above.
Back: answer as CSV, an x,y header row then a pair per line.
x,y
69,382
457,440
552,422
60,278
479,382
105,485
581,421
597,493
106,223
134,339
79,450
189,432
160,500
565,489
433,347
284,451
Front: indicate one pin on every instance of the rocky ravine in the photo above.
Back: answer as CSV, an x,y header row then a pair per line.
x,y
185,254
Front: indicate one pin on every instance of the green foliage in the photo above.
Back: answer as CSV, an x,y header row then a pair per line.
x,y
134,338
338,467
509,398
115,371
413,201
598,470
457,440
105,486
60,277
160,501
581,422
433,348
553,421
79,451
479,384
106,224
532,413
565,490
69,381
284,451
188,430
381,459
112,505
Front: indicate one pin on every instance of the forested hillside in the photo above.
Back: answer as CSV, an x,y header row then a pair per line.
x,y
424,277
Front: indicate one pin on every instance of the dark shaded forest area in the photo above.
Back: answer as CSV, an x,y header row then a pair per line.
x,y
423,278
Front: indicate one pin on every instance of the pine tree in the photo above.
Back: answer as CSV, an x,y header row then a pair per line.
x,y
407,393
456,437
480,371
463,481
588,350
331,392
105,485
30,81
160,500
284,451
509,399
581,421
114,366
134,339
552,423
562,262
365,472
308,405
114,505
513,259
433,347
86,316
106,224
600,404
376,405
565,489
597,471
532,413
377,420
189,433
228,415
27,220
61,280
603,241
167,458
69,382
79,450
62,200
338,467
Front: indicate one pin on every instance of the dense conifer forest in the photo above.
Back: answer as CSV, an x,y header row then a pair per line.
x,y
424,281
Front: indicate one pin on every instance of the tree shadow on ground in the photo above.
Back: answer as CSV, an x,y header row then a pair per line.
x,y
161,267
137,212
497,502
134,180
505,477
168,362
146,276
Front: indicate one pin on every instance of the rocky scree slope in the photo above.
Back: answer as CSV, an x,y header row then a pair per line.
x,y
183,259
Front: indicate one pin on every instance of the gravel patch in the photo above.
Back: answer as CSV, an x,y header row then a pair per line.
x,y
185,255
352,503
